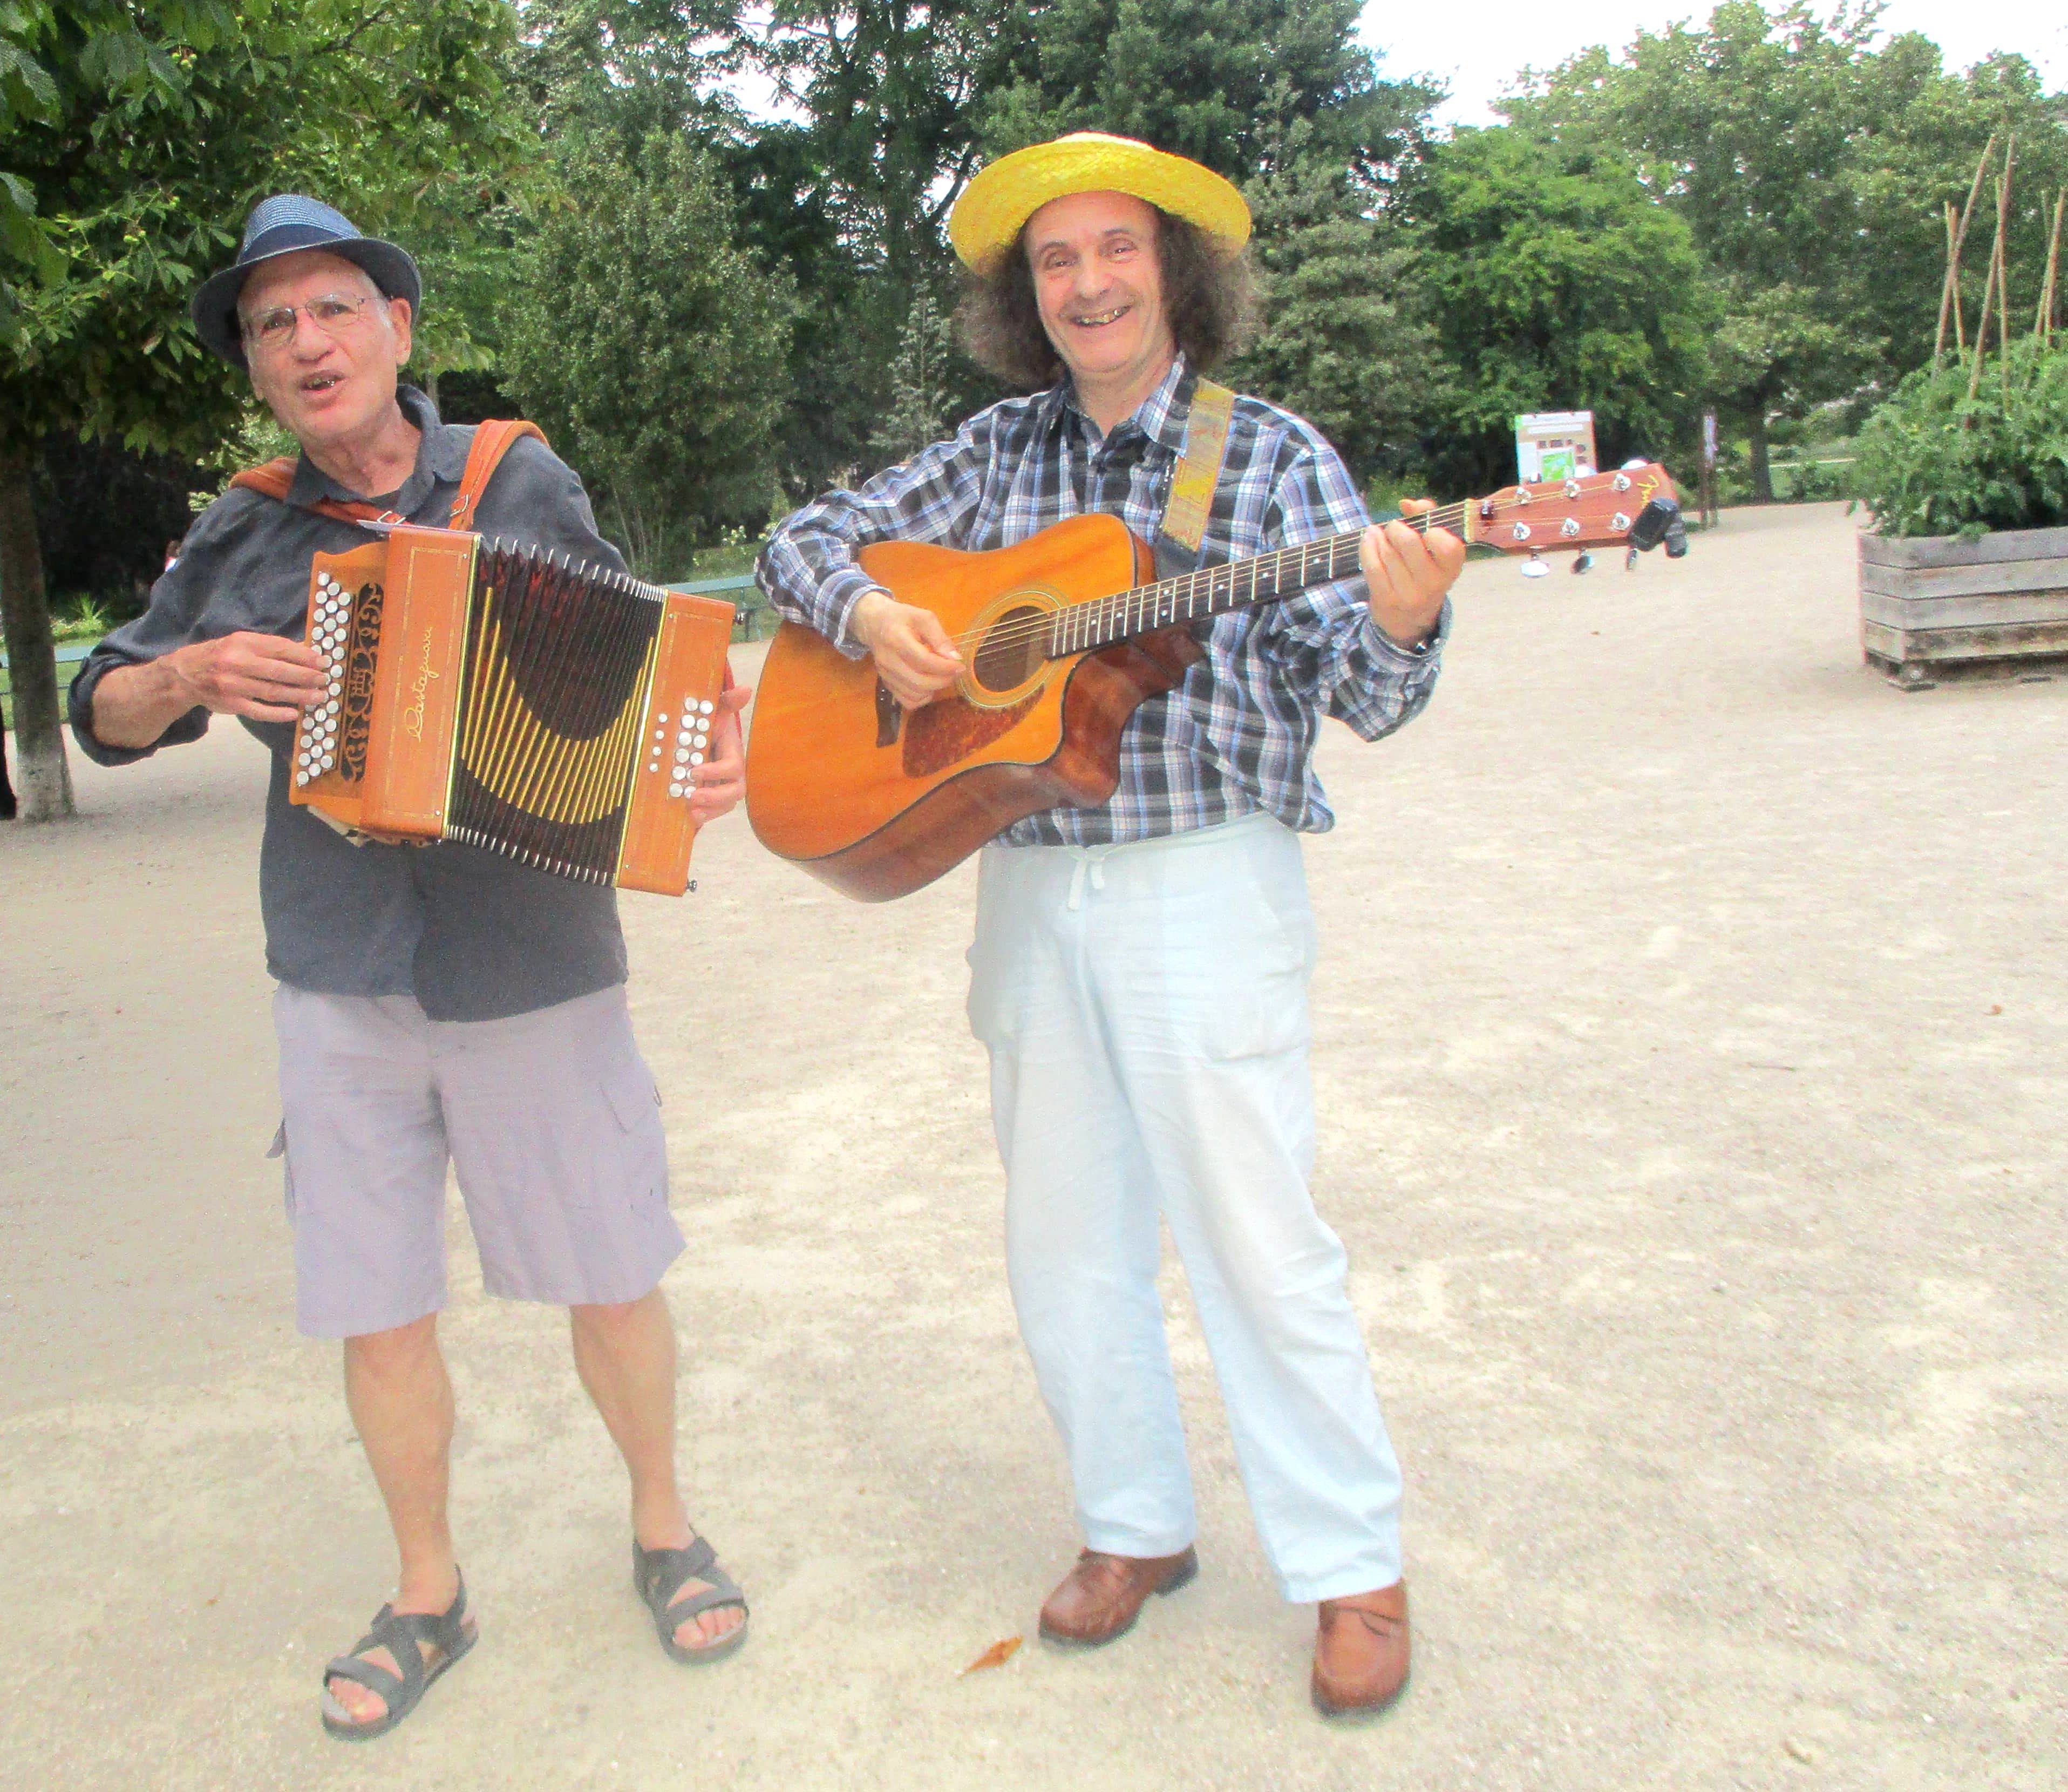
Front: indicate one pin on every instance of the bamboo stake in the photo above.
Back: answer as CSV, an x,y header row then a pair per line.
x,y
2003,262
1982,330
2042,323
1948,297
1992,291
1953,257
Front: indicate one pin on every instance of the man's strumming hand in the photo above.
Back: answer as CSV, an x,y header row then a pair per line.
x,y
914,656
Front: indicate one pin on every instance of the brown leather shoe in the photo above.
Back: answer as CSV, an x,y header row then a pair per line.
x,y
1361,1653
1100,1597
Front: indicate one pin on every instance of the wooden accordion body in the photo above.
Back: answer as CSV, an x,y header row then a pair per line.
x,y
502,698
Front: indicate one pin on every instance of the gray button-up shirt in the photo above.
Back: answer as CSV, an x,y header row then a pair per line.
x,y
472,935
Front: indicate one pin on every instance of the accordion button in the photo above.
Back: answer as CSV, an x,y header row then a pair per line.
x,y
336,689
674,790
682,755
704,707
696,758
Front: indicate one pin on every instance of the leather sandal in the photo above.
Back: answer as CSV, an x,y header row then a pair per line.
x,y
451,1633
659,1575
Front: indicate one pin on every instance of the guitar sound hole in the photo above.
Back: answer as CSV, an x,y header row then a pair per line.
x,y
1011,651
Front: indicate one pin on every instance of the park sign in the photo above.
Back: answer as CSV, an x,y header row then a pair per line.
x,y
1554,444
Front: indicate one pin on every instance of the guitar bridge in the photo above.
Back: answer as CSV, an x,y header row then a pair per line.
x,y
889,715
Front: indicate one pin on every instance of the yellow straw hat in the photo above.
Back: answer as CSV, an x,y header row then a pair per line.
x,y
987,217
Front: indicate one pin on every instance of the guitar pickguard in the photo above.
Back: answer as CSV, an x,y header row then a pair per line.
x,y
951,728
889,715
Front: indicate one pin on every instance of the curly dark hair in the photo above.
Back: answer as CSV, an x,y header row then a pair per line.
x,y
1213,301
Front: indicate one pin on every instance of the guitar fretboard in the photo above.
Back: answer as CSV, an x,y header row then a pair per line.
x,y
1212,591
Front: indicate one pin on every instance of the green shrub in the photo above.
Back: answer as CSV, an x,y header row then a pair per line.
x,y
1383,493
1814,482
1932,461
79,616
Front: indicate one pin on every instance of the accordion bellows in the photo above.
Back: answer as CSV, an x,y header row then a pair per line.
x,y
551,711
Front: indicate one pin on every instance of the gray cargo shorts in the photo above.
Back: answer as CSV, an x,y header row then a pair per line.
x,y
551,1120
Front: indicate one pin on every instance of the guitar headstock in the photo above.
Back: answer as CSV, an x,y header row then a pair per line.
x,y
1633,507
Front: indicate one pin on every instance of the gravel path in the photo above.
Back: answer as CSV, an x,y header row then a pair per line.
x,y
1692,1022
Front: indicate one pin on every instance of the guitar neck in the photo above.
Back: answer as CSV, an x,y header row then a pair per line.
x,y
1215,590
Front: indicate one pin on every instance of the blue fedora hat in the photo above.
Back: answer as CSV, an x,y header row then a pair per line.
x,y
279,226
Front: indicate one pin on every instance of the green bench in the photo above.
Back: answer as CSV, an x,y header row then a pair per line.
x,y
756,618
752,607
69,652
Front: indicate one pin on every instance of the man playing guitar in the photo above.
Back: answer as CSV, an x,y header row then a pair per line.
x,y
1140,968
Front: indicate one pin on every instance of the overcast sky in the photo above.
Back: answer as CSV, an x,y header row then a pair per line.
x,y
1477,47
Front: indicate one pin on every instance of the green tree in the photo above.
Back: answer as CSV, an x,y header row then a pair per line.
x,y
1220,81
1344,344
922,382
136,137
854,193
1812,160
627,69
891,92
1556,281
649,345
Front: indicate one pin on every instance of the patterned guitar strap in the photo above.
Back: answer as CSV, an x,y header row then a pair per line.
x,y
1198,476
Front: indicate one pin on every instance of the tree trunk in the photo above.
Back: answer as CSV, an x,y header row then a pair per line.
x,y
1762,470
43,777
6,789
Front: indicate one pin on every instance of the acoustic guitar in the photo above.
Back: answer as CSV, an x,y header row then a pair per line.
x,y
1063,637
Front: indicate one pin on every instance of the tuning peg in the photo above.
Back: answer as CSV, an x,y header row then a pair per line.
x,y
1534,567
1583,561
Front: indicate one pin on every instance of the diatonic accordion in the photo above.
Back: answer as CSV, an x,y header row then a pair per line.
x,y
549,711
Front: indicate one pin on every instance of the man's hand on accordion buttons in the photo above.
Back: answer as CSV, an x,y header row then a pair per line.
x,y
721,779
258,675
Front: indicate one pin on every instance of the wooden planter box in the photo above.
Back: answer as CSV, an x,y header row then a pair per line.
x,y
1937,605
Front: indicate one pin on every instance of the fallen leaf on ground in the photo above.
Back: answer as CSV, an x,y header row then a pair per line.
x,y
995,1656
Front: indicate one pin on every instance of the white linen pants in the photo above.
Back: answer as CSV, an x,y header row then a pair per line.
x,y
1145,1008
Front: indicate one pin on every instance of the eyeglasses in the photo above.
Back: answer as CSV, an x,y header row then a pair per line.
x,y
333,313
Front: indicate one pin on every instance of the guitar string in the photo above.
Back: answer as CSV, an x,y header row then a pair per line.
x,y
1129,609
1422,521
1113,608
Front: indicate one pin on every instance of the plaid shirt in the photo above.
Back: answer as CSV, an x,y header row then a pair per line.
x,y
1238,734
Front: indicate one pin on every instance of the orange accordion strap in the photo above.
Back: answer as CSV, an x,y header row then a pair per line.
x,y
492,440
